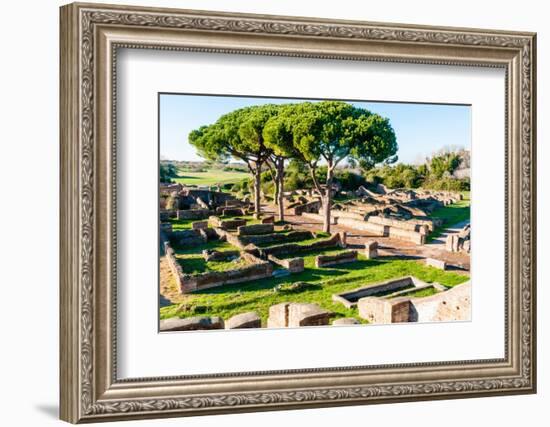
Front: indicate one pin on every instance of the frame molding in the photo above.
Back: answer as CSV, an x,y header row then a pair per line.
x,y
90,36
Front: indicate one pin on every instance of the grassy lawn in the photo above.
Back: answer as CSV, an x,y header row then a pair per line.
x,y
296,241
451,214
258,296
181,224
192,261
211,177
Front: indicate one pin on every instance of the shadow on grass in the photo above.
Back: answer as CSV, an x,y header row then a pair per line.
x,y
313,275
189,177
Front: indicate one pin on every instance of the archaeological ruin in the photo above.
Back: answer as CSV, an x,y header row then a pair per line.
x,y
212,240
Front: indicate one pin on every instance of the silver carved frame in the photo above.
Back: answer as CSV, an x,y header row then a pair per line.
x,y
90,36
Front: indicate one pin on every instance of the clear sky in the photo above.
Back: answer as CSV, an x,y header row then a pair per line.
x,y
421,129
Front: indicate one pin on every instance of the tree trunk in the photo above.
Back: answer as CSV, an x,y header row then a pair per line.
x,y
276,190
257,192
280,178
327,200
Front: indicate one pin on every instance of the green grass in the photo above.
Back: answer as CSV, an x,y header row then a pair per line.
x,y
192,261
426,292
258,296
211,177
451,214
181,224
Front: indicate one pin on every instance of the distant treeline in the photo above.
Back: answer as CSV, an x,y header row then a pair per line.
x,y
440,172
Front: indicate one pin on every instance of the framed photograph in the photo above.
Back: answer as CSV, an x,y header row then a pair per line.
x,y
267,212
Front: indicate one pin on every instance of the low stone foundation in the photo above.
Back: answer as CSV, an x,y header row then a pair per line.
x,y
199,323
165,215
199,225
268,220
293,315
343,258
264,239
432,262
173,263
183,238
350,298
294,265
244,321
399,223
310,207
380,310
384,230
193,214
227,224
451,305
258,269
253,229
213,255
230,211
336,240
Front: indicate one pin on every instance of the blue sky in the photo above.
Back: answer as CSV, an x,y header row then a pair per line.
x,y
421,129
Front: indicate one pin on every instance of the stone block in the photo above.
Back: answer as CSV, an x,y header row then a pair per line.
x,y
255,229
380,310
302,314
327,260
293,315
371,249
268,219
295,265
452,242
244,321
199,225
232,212
198,323
193,214
432,262
278,315
346,321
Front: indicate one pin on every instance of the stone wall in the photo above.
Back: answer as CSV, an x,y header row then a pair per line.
x,y
374,229
337,240
399,223
193,214
380,310
276,237
165,215
406,235
342,258
258,269
199,323
227,224
447,306
173,263
452,305
186,238
245,230
348,214
293,315
310,207
294,265
350,298
318,217
383,230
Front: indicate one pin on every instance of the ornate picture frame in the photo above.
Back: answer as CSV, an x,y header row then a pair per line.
x,y
90,37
